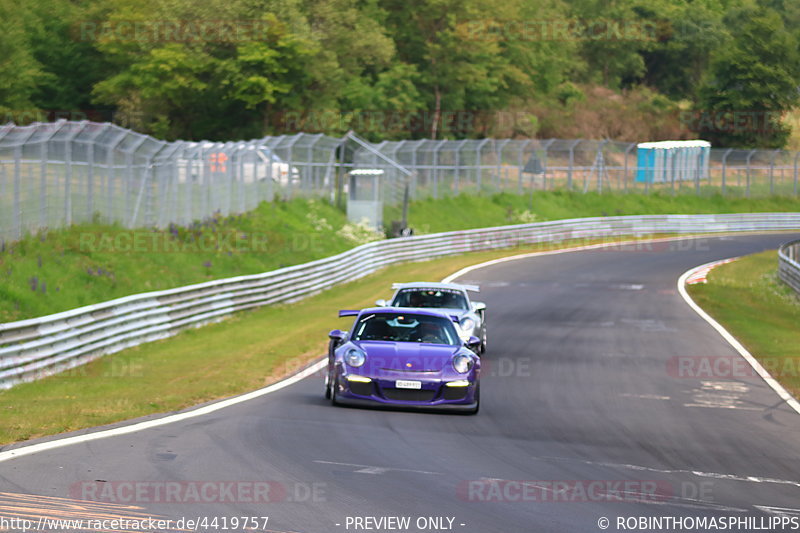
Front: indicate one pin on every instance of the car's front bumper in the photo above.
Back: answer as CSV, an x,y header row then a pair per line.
x,y
433,394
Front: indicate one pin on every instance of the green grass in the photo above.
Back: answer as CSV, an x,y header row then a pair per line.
x,y
463,212
90,263
749,300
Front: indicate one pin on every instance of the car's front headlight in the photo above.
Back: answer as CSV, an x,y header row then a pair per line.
x,y
462,363
355,357
468,325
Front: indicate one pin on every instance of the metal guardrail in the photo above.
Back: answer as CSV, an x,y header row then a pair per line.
x,y
35,348
789,264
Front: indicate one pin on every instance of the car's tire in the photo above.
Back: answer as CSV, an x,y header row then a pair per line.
x,y
334,391
484,340
328,386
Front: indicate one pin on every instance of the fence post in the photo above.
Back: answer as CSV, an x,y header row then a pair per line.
x,y
602,165
457,172
521,163
796,155
17,186
747,194
479,163
772,172
547,145
625,172
67,182
90,172
724,168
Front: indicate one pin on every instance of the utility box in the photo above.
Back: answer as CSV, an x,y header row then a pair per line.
x,y
364,200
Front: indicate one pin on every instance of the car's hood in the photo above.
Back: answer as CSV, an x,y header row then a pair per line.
x,y
406,356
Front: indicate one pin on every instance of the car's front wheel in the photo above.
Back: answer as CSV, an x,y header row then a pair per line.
x,y
328,386
334,391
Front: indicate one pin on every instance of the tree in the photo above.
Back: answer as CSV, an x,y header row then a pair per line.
x,y
751,83
20,73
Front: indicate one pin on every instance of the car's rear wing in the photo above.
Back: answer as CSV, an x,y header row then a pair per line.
x,y
473,288
348,312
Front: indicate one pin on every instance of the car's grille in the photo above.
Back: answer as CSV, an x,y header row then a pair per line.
x,y
362,389
409,395
455,393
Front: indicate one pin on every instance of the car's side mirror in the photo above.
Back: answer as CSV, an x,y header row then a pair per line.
x,y
478,306
381,303
336,335
473,342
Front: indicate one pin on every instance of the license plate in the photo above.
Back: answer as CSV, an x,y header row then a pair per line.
x,y
401,384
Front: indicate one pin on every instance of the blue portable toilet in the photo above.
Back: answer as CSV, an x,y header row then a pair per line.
x,y
667,161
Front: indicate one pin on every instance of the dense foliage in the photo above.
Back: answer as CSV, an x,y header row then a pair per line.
x,y
219,69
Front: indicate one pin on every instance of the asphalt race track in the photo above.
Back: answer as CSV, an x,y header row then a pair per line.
x,y
582,388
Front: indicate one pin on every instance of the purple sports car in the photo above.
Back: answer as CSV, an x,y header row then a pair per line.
x,y
403,357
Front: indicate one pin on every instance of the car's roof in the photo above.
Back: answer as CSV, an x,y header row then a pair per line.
x,y
434,285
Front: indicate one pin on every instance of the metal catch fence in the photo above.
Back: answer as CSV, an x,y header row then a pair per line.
x,y
61,173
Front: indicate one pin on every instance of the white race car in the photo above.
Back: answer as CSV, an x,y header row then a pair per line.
x,y
450,298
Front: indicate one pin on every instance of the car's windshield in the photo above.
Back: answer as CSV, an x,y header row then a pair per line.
x,y
405,328
437,298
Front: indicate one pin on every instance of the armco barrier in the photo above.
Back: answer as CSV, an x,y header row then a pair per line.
x,y
38,347
789,264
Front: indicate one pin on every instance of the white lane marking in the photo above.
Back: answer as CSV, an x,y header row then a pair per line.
x,y
644,396
66,441
628,286
699,504
780,511
647,324
367,469
697,473
760,370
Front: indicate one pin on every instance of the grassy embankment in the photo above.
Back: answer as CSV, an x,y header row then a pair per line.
x,y
749,300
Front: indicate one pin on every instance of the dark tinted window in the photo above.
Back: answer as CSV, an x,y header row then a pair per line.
x,y
405,328
430,298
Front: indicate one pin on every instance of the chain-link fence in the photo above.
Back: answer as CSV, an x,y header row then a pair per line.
x,y
56,174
